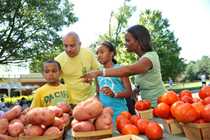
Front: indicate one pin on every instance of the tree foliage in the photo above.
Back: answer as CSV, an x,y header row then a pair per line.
x,y
117,25
29,28
164,43
196,68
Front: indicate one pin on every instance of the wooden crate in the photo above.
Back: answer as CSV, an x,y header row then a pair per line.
x,y
125,137
55,137
172,126
146,114
196,131
91,135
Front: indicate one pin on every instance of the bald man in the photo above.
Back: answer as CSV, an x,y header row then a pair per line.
x,y
75,61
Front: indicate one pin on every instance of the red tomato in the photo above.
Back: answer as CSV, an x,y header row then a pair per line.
x,y
195,100
204,92
187,99
130,129
126,114
198,107
139,105
121,123
205,114
147,103
160,99
119,117
206,100
163,110
186,113
154,112
185,92
153,131
174,106
134,119
142,124
169,97
199,121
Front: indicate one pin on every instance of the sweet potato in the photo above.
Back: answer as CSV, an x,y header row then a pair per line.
x,y
83,126
3,125
73,122
104,121
33,130
39,116
51,131
87,109
66,118
58,112
6,137
15,128
59,122
65,107
13,113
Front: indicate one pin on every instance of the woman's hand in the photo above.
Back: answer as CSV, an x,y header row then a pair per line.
x,y
107,91
90,76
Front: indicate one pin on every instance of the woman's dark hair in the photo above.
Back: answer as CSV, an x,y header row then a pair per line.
x,y
54,62
141,34
111,49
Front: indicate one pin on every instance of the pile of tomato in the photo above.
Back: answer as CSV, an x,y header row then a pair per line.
x,y
184,107
134,124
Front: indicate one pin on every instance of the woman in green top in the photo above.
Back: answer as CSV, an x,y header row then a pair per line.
x,y
147,68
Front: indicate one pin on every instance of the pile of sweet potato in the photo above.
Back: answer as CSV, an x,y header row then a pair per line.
x,y
90,115
45,121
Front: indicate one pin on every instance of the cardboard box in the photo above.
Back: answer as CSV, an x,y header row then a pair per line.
x,y
196,131
125,137
146,114
172,127
91,135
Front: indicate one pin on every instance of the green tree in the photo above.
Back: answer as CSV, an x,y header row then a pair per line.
x,y
29,28
191,71
164,42
204,65
195,69
117,25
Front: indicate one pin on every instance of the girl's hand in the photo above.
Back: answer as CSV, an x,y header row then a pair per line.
x,y
107,91
89,76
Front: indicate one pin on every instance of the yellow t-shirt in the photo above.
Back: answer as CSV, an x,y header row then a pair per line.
x,y
72,69
48,95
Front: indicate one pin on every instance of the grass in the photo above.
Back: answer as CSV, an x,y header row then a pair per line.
x,y
191,86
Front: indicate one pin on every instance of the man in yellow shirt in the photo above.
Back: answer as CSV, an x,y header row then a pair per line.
x,y
75,61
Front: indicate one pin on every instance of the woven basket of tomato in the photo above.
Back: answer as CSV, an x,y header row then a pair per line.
x,y
128,124
143,109
163,110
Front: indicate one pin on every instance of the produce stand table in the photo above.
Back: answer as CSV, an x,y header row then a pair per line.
x,y
166,136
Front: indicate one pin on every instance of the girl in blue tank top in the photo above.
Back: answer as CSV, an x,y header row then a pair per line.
x,y
112,91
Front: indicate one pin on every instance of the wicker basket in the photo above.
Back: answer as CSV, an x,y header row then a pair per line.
x,y
125,137
195,131
91,135
172,127
146,114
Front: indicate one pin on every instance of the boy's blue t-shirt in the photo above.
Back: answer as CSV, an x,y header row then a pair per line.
x,y
116,85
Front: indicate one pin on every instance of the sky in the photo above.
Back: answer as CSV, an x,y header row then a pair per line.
x,y
188,19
